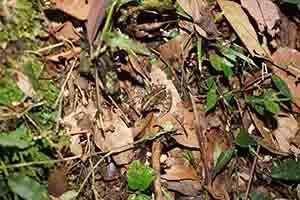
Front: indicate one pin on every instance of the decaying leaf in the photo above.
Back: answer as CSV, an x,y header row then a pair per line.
x,y
76,8
57,182
24,83
288,61
175,51
121,136
180,172
242,26
265,12
199,11
286,130
95,18
67,31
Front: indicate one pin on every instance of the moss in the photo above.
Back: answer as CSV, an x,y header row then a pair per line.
x,y
9,91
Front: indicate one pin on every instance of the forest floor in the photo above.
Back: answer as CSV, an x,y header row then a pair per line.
x,y
149,99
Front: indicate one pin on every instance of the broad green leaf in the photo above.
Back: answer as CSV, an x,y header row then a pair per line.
x,y
288,170
259,196
15,139
223,159
139,176
281,86
259,109
211,99
221,64
27,188
139,197
116,39
243,139
210,83
233,55
272,106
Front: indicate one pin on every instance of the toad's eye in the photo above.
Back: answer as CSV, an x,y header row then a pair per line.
x,y
120,56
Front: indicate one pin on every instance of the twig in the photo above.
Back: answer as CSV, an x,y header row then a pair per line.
x,y
201,140
156,152
65,83
252,173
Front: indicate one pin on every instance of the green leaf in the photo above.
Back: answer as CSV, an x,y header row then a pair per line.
x,y
222,161
116,39
139,197
288,170
27,188
221,64
15,139
244,139
272,106
259,196
211,99
139,177
281,86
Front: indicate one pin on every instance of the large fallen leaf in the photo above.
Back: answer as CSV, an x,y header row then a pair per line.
x,y
76,8
67,31
265,12
57,182
285,131
176,50
199,11
289,60
121,136
95,18
242,26
180,172
186,187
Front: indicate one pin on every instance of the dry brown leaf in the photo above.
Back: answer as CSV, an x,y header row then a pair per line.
x,y
95,18
265,12
199,11
57,182
24,83
286,130
242,26
121,136
76,8
180,172
186,187
175,51
75,146
67,55
289,59
67,31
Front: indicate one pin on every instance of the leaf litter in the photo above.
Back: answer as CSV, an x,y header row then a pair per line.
x,y
149,99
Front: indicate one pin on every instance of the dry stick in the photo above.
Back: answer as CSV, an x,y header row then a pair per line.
x,y
252,173
156,152
65,82
201,140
